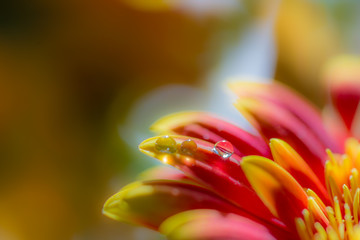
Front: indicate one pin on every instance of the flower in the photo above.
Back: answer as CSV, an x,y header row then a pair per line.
x,y
296,178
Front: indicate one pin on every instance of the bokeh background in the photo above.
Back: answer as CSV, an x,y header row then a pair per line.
x,y
80,82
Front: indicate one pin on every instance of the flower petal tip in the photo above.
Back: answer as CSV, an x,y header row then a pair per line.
x,y
279,146
165,124
115,208
273,184
147,146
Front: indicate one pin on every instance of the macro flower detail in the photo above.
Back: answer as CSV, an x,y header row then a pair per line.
x,y
294,178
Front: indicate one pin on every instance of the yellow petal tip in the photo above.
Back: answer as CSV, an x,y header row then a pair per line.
x,y
165,124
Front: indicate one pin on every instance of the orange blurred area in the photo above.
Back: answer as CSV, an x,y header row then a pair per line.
x,y
309,34
69,73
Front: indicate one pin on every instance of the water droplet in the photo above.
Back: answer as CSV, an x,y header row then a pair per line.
x,y
188,147
165,144
224,149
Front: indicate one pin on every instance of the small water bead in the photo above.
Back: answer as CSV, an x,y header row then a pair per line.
x,y
224,149
165,144
188,147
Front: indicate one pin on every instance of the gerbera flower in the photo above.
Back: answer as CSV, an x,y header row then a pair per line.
x,y
294,179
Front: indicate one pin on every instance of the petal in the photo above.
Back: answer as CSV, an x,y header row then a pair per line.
x,y
290,101
207,127
342,76
162,172
165,172
274,122
149,203
213,225
279,191
223,176
292,162
337,172
345,99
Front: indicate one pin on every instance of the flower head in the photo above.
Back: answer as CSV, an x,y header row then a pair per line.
x,y
296,178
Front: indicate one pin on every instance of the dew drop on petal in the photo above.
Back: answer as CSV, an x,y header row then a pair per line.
x,y
165,144
224,149
188,147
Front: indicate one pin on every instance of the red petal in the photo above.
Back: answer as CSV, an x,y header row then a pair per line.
x,y
280,192
212,129
223,176
214,225
275,122
346,99
162,172
290,160
149,203
342,75
291,102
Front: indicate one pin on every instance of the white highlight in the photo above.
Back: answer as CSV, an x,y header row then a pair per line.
x,y
205,7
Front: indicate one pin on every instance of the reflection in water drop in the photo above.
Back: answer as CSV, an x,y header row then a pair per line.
x,y
188,161
224,149
165,144
188,147
167,159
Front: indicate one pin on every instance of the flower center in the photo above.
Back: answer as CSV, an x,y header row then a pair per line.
x,y
340,220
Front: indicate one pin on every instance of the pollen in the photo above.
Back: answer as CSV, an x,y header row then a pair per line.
x,y
339,219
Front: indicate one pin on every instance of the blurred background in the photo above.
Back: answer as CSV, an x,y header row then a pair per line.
x,y
81,81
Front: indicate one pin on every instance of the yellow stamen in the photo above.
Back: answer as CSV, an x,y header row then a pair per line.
x,y
316,211
332,234
331,156
331,216
341,230
356,232
341,220
312,194
356,206
334,189
301,229
347,195
354,180
338,216
320,230
309,222
348,221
